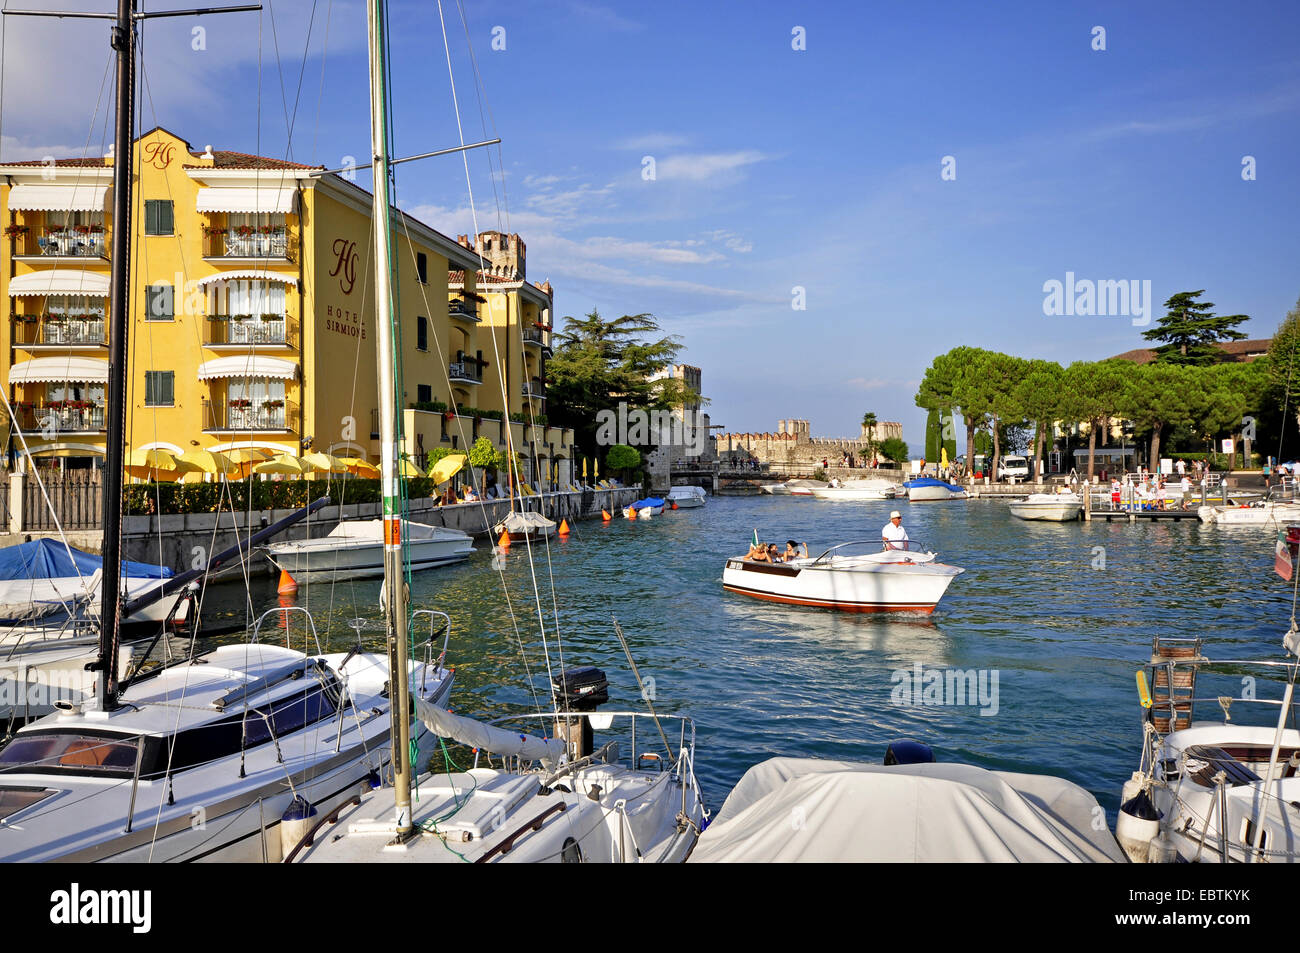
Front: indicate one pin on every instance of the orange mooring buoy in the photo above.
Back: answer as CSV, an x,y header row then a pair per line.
x,y
604,516
564,527
504,541
287,584
674,506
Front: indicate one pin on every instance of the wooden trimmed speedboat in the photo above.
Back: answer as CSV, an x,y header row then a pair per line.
x,y
905,578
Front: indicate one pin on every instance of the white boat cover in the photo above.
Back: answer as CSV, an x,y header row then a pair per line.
x,y
525,522
802,809
685,492
477,734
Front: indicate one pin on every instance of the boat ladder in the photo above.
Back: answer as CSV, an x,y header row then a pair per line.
x,y
1174,663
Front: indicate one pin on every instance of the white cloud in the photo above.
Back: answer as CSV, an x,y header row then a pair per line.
x,y
651,141
700,167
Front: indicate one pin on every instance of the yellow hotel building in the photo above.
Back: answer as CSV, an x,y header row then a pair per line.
x,y
252,315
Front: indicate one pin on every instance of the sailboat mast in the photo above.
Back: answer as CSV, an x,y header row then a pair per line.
x,y
119,310
394,584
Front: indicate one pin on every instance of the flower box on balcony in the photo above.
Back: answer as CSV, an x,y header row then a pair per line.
x,y
240,403
273,404
16,231
272,317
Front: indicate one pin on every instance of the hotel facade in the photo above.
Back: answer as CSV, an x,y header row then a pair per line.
x,y
252,316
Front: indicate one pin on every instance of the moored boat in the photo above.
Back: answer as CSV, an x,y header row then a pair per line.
x,y
356,547
1260,514
857,490
852,577
685,497
1052,507
644,509
522,524
928,489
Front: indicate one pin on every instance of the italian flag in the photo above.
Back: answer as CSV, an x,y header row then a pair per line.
x,y
1282,562
756,541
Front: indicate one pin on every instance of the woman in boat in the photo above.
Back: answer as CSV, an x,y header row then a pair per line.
x,y
773,554
792,550
757,553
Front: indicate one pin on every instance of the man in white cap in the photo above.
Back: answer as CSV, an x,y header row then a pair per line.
x,y
893,533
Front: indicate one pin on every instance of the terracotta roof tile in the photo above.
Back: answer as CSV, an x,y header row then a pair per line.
x,y
1235,350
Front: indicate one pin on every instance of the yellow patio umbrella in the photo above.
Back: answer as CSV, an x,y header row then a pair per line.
x,y
361,468
156,465
446,468
248,454
283,464
584,469
209,461
409,470
324,462
943,458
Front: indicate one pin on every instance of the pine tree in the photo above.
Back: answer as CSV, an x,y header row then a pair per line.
x,y
1191,330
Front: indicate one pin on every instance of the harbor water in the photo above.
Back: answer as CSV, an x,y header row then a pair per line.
x,y
1048,624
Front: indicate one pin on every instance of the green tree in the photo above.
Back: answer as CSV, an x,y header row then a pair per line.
x,y
1157,397
623,459
1191,331
892,448
1039,395
1094,392
953,382
932,434
869,433
599,364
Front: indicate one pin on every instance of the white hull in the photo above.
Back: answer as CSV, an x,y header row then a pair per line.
x,y
32,598
1270,514
43,674
928,494
849,584
1056,508
363,555
854,494
689,502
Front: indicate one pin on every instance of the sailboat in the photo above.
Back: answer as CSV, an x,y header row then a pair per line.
x,y
557,798
217,755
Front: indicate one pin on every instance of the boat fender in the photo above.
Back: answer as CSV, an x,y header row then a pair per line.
x,y
1138,822
295,823
909,752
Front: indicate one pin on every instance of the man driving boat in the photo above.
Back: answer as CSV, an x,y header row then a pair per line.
x,y
892,534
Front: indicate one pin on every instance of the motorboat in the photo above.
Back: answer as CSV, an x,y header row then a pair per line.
x,y
802,487
853,577
1262,513
855,490
553,799
645,509
47,577
685,497
1053,507
356,548
524,524
1222,790
927,489
238,738
809,810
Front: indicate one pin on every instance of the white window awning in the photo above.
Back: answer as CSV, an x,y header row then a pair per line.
x,y
55,369
267,198
248,365
83,197
59,281
249,274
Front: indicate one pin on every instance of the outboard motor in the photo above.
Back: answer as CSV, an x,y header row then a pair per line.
x,y
583,688
908,752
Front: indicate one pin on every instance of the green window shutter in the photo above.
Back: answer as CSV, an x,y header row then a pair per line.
x,y
167,223
151,217
159,388
158,217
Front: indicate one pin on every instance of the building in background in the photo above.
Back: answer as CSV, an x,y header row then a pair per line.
x,y
687,440
252,312
793,445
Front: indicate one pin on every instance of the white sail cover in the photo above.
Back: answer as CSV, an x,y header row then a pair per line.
x,y
792,809
477,734
526,521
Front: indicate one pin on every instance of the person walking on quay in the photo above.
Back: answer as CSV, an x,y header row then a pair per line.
x,y
892,533
1182,467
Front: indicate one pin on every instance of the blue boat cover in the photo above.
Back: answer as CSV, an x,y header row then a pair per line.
x,y
50,559
648,501
930,481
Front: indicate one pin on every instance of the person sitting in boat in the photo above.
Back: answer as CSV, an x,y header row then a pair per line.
x,y
792,550
773,554
892,534
757,553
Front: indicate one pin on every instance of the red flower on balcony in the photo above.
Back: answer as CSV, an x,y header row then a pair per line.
x,y
13,231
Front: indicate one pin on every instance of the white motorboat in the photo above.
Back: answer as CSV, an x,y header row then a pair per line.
x,y
1268,513
855,490
685,497
805,810
231,738
928,489
802,487
1054,507
356,548
1222,791
522,524
644,509
853,577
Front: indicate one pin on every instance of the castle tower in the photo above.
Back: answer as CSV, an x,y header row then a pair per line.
x,y
504,255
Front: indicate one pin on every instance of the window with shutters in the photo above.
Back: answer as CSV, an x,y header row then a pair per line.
x,y
158,219
423,393
159,388
159,302
422,267
422,334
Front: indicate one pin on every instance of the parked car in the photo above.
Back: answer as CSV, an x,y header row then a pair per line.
x,y
1013,468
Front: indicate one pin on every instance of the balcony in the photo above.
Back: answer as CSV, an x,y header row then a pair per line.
x,y
466,372
536,336
242,415
73,241
462,310
57,330
534,389
257,242
249,330
47,418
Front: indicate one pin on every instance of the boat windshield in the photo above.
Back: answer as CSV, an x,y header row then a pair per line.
x,y
79,751
867,547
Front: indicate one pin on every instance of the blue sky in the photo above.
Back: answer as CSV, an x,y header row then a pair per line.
x,y
778,168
